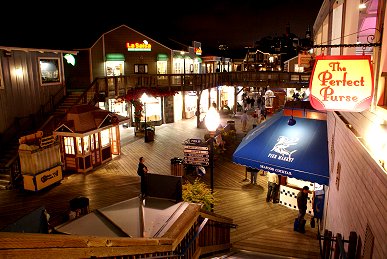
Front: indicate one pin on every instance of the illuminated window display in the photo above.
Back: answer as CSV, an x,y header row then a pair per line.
x,y
114,68
105,141
152,109
49,71
69,145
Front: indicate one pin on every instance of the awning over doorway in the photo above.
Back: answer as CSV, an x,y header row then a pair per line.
x,y
115,57
299,151
162,57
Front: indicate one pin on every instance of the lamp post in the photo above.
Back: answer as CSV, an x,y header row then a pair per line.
x,y
144,98
212,121
183,54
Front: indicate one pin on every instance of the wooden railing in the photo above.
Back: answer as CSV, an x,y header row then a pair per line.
x,y
119,85
193,234
337,247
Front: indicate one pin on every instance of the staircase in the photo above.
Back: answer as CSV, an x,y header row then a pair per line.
x,y
10,172
72,98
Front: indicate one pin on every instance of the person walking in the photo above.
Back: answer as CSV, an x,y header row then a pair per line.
x,y
244,120
272,183
253,172
142,170
302,203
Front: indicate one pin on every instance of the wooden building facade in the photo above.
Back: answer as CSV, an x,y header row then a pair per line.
x,y
30,80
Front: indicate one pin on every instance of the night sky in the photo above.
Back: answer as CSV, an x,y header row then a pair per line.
x,y
237,24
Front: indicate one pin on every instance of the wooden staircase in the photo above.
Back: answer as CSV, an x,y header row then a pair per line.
x,y
72,98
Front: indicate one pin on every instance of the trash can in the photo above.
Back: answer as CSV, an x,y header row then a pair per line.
x,y
231,125
177,166
80,206
149,134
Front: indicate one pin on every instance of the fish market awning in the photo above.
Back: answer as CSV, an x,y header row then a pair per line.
x,y
299,151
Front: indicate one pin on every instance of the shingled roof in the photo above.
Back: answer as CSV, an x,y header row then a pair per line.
x,y
84,118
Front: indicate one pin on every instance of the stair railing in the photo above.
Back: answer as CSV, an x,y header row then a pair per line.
x,y
335,246
193,234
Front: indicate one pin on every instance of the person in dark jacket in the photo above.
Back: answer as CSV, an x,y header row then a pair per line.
x,y
142,170
302,202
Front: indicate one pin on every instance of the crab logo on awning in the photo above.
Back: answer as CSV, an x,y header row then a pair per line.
x,y
342,83
281,147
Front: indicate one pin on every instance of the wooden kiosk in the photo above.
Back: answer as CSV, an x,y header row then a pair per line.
x,y
89,136
40,161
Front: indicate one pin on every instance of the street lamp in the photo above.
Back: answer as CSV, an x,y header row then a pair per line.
x,y
183,54
144,99
212,121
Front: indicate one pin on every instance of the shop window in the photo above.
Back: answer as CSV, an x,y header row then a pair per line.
x,y
114,68
92,142
49,71
141,69
96,140
105,137
162,67
86,144
78,140
69,145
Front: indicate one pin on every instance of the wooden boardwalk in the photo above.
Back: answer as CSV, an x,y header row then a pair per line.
x,y
262,228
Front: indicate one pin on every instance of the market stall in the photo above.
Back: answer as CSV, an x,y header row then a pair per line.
x,y
40,161
89,136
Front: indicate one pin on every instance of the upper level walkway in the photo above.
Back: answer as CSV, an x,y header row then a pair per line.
x,y
119,85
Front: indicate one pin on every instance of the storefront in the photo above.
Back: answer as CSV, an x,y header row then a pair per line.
x,y
298,152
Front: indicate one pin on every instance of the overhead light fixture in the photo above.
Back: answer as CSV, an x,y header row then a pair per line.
x,y
18,71
363,5
292,121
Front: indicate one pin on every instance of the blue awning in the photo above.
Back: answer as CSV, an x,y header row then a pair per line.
x,y
299,151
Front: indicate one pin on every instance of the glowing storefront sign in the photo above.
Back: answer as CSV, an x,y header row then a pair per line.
x,y
342,83
198,51
144,46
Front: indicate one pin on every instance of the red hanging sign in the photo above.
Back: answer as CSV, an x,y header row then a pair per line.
x,y
342,83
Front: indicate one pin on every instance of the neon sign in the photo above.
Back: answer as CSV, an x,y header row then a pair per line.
x,y
144,46
342,83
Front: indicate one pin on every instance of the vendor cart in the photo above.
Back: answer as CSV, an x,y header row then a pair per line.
x,y
40,161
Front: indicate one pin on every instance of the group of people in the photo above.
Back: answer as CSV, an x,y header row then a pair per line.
x,y
259,115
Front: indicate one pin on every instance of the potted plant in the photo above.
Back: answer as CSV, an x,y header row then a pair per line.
x,y
199,192
138,108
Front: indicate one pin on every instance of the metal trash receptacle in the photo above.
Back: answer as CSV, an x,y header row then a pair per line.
x,y
177,166
149,134
231,125
80,205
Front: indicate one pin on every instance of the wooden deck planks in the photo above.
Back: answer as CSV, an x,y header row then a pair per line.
x,y
262,227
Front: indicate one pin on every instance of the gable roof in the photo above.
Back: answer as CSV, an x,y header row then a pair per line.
x,y
85,118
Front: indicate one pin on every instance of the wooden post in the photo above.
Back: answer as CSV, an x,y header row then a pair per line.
x,y
339,246
352,245
327,244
